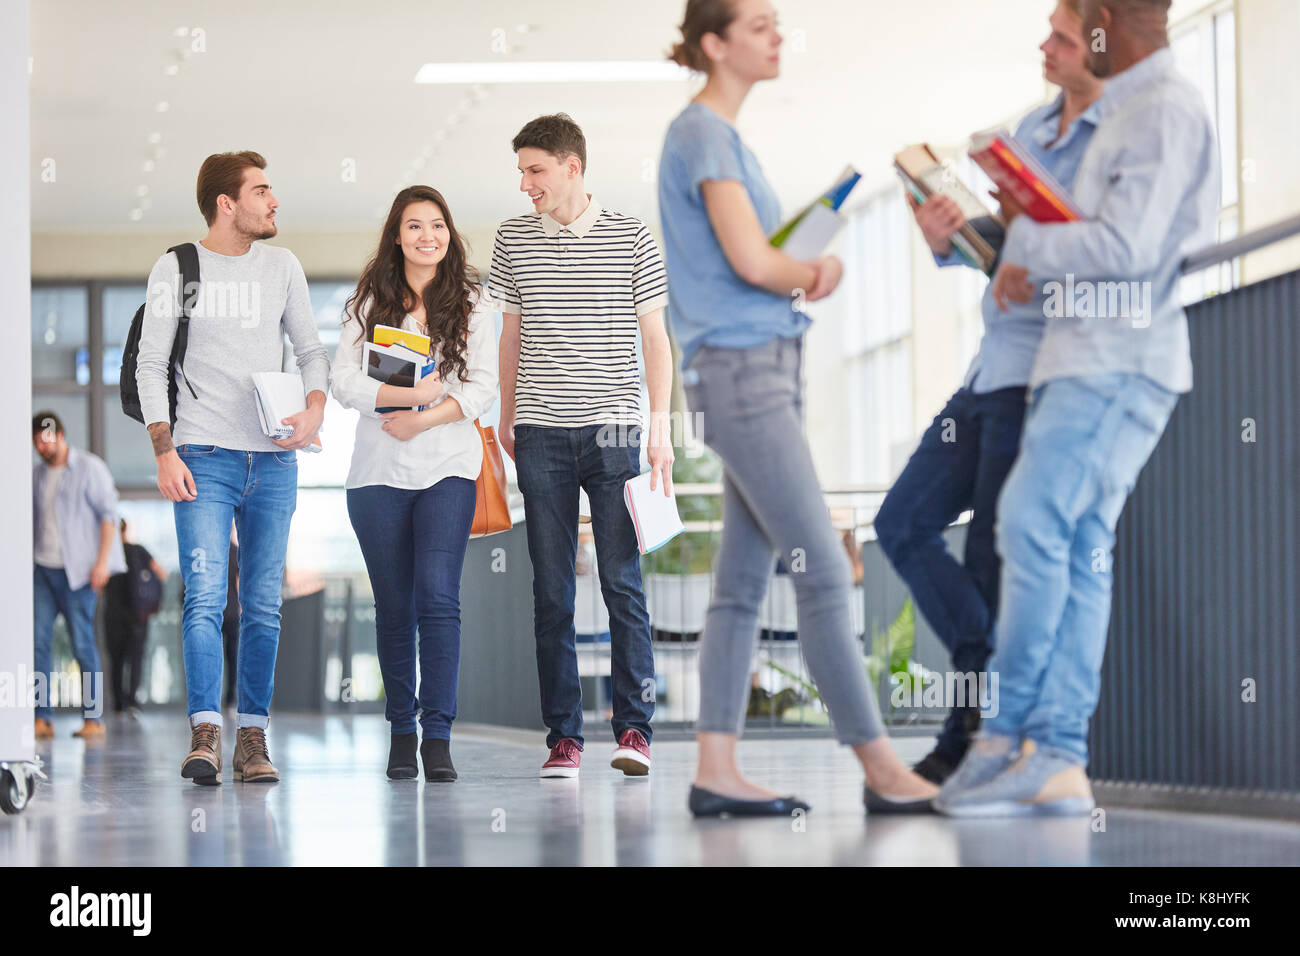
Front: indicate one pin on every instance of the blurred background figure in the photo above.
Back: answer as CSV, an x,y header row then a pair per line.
x,y
131,598
74,523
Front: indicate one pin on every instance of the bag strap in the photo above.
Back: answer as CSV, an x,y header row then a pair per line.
x,y
188,258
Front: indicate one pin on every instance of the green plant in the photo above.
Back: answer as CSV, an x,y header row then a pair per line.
x,y
691,552
891,647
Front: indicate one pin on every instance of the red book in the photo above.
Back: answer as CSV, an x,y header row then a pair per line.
x,y
1022,177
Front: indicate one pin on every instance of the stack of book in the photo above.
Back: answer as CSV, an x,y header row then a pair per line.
x,y
397,357
1022,177
980,237
1015,172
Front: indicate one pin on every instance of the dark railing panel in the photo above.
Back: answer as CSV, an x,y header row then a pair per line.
x,y
498,655
1206,568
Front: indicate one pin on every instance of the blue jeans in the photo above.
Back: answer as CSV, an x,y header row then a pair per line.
x,y
52,597
553,463
414,545
1086,439
960,465
258,491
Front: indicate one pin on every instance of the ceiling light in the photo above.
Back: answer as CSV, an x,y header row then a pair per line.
x,y
142,190
155,138
148,166
137,215
163,106
585,71
171,69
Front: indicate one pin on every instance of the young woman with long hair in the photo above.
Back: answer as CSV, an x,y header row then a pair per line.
x,y
410,489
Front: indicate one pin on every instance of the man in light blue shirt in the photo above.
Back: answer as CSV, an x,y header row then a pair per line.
x,y
1113,360
965,455
76,547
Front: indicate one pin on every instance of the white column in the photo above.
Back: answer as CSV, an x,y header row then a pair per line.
x,y
16,741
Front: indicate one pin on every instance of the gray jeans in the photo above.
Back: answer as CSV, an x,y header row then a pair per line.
x,y
750,406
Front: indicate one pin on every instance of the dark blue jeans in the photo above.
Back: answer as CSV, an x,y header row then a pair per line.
x,y
553,463
960,465
414,542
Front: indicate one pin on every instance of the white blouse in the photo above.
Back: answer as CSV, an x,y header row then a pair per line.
x,y
451,449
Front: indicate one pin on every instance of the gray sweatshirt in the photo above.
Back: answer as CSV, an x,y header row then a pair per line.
x,y
244,307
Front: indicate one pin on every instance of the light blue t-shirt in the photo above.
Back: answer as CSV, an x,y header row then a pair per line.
x,y
708,303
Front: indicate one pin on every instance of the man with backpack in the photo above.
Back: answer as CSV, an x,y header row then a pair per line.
x,y
75,550
215,463
130,600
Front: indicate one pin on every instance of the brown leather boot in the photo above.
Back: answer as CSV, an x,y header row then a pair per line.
x,y
252,763
44,729
90,729
203,762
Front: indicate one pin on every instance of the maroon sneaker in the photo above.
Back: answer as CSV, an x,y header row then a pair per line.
x,y
565,759
632,755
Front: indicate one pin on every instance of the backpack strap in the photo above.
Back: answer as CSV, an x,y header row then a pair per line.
x,y
188,257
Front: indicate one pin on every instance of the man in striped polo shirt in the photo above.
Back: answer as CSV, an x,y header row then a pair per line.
x,y
574,282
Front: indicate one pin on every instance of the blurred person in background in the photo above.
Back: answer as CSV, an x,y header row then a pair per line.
x,y
130,600
76,550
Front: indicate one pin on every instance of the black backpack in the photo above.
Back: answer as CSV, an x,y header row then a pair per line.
x,y
145,589
188,257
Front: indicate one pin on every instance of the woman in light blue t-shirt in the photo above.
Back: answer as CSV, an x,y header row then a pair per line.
x,y
735,304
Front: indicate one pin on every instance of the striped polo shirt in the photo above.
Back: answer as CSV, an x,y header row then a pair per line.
x,y
579,291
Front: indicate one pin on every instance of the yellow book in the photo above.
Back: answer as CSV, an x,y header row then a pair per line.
x,y
387,335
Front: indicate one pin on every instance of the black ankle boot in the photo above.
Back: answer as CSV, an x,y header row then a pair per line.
x,y
436,755
401,757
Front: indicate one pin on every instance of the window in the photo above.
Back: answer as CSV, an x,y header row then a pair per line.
x,y
878,335
1205,50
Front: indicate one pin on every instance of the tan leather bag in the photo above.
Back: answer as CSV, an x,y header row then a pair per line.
x,y
491,510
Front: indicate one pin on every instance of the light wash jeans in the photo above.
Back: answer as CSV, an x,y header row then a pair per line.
x,y
751,406
258,491
1085,441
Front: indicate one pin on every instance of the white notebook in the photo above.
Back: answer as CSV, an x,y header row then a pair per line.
x,y
279,395
654,514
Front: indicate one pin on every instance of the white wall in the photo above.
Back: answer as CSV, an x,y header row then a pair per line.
x,y
129,254
16,741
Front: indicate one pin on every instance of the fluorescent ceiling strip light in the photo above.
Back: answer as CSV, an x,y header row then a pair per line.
x,y
585,71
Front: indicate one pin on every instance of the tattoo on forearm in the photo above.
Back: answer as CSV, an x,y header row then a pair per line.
x,y
161,434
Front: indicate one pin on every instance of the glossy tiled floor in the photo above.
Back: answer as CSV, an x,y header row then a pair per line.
x,y
124,802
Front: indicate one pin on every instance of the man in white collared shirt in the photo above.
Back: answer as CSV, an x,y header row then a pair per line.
x,y
575,283
1113,361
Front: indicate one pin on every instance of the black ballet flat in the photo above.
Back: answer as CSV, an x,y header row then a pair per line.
x,y
706,803
876,803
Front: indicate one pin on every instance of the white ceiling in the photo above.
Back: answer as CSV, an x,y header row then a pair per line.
x,y
312,85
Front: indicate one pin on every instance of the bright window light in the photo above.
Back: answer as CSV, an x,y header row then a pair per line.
x,y
586,71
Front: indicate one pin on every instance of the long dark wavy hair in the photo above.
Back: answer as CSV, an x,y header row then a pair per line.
x,y
448,298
